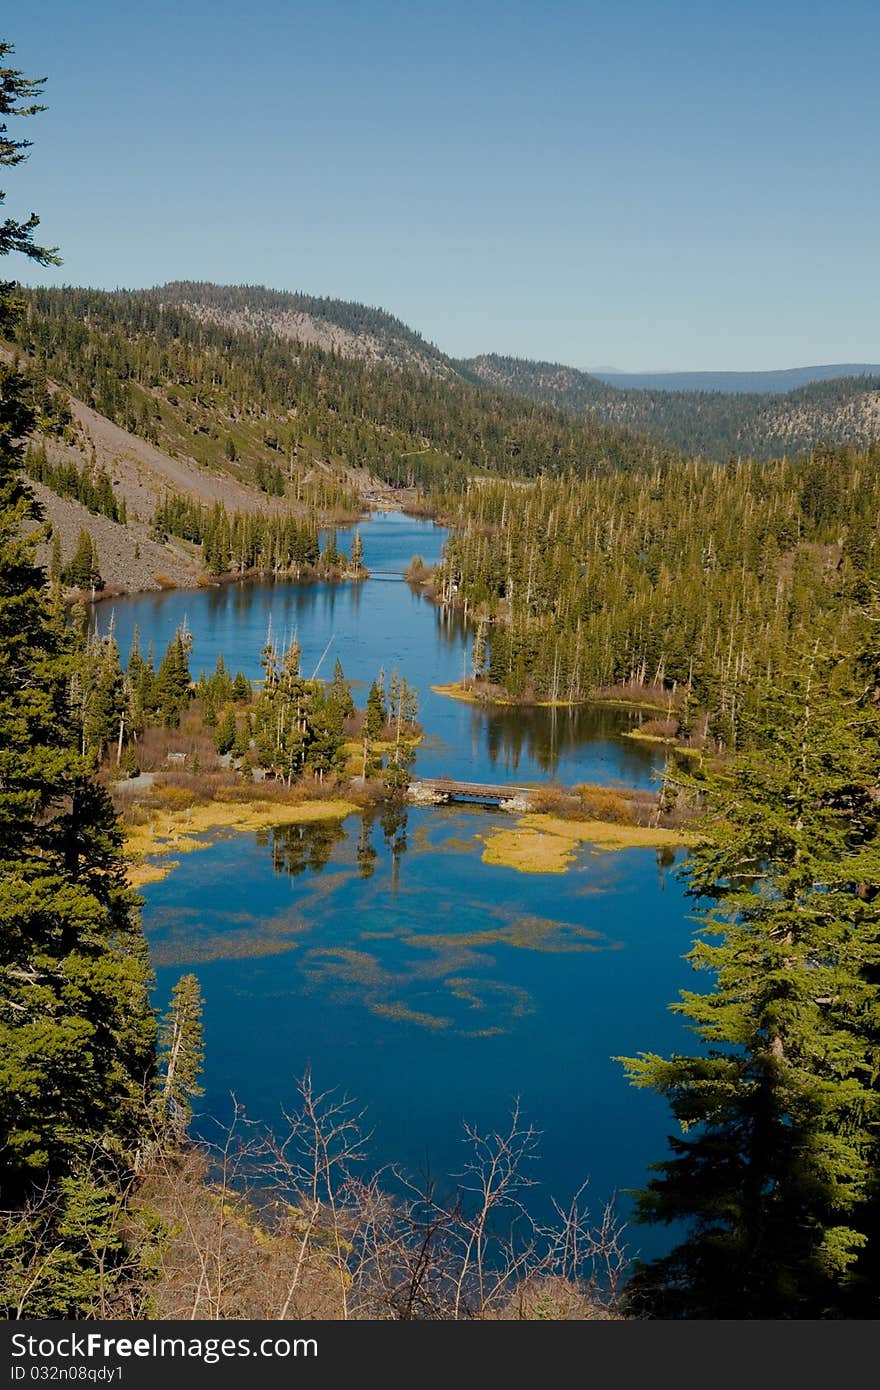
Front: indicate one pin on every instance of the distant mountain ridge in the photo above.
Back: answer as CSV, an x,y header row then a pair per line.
x,y
777,382
843,410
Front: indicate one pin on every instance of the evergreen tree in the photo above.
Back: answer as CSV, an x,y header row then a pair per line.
x,y
403,712
357,553
224,738
241,689
181,1052
76,1030
99,688
172,683
776,1167
141,682
339,693
375,713
478,658
83,572
330,553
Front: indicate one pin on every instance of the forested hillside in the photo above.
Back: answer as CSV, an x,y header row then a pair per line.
x,y
694,579
261,406
268,386
337,325
708,422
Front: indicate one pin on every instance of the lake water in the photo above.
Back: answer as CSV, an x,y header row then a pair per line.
x,y
385,623
389,958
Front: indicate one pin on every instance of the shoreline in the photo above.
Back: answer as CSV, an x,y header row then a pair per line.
x,y
218,581
466,694
200,579
169,831
684,749
538,841
541,843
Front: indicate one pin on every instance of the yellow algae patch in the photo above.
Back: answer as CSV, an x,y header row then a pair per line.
x,y
174,832
141,874
530,851
544,844
404,1014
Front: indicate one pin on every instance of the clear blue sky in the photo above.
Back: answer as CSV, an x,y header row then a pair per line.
x,y
635,183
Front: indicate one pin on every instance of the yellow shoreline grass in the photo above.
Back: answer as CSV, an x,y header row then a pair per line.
x,y
173,832
681,748
141,874
545,844
454,690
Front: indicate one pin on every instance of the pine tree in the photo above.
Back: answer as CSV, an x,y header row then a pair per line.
x,y
100,689
181,1052
339,693
776,1165
224,738
478,659
172,683
76,1029
404,710
375,714
357,553
83,572
241,689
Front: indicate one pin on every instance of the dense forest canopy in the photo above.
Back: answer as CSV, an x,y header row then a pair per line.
x,y
692,577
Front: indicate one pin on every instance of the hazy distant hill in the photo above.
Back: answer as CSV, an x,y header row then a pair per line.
x,y
842,410
734,383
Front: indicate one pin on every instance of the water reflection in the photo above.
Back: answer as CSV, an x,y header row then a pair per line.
x,y
295,848
367,854
546,738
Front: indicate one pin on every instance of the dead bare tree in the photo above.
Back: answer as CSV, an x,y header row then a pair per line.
x,y
294,1225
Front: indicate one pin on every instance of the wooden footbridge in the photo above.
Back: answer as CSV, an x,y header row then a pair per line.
x,y
440,790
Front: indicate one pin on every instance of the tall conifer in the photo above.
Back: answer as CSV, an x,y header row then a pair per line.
x,y
774,1169
76,1030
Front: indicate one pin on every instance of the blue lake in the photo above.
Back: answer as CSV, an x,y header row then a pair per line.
x,y
385,623
386,956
